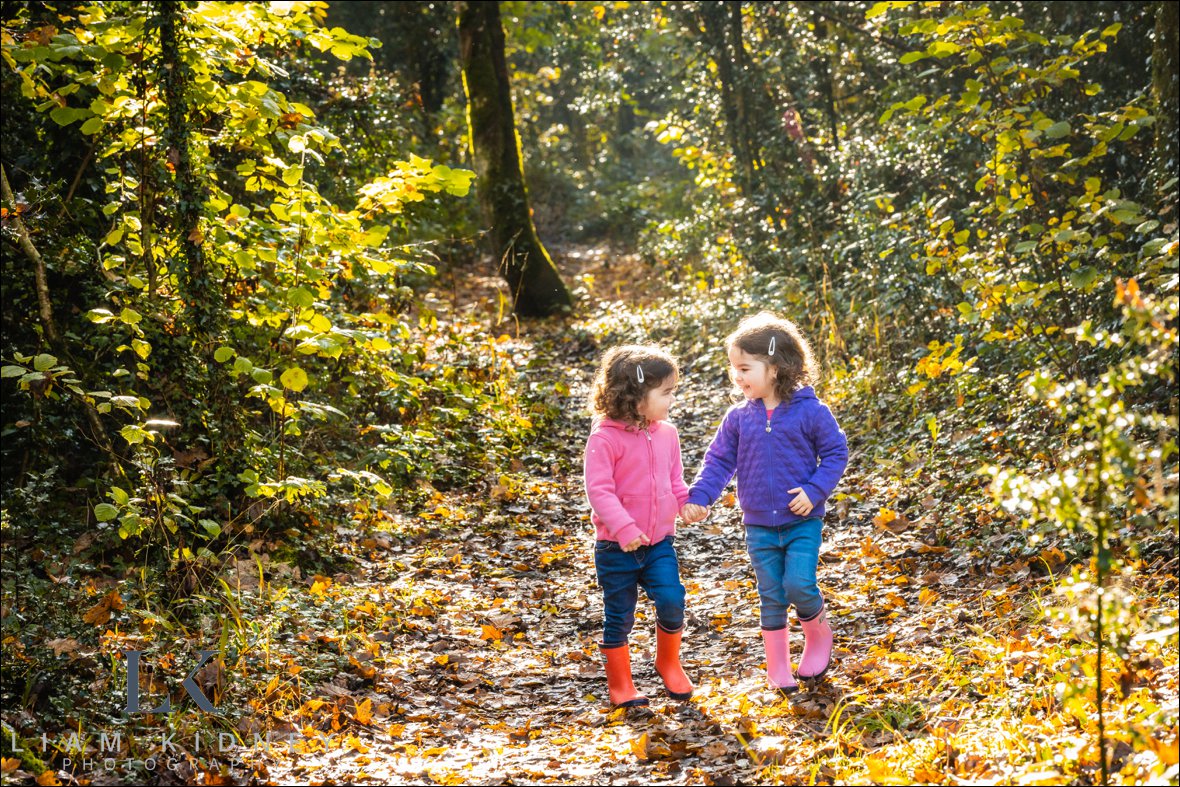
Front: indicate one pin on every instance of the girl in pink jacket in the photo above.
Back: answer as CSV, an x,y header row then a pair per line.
x,y
635,485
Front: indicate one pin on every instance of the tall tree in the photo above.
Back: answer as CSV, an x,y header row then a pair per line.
x,y
537,288
1165,82
722,26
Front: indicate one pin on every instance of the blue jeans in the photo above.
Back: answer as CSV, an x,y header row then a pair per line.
x,y
621,574
785,559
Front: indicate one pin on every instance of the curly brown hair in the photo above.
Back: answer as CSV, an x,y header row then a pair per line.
x,y
792,359
624,377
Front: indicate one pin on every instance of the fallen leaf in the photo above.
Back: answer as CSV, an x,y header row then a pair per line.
x,y
100,613
65,645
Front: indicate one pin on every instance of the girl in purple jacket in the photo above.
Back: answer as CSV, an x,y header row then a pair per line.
x,y
635,485
788,453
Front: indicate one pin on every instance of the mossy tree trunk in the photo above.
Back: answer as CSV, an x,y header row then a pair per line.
x,y
211,410
1165,84
537,288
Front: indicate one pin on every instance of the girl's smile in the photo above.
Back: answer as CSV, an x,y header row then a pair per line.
x,y
752,375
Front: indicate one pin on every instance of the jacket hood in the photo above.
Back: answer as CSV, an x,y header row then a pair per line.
x,y
806,392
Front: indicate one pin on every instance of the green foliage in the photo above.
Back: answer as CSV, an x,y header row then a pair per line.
x,y
320,385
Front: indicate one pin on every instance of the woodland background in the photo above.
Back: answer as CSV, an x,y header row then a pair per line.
x,y
300,304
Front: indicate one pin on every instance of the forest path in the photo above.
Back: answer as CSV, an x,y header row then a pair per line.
x,y
493,675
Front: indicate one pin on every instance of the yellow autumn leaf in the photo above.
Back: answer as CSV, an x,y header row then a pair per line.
x,y
442,660
926,596
9,764
639,746
879,770
356,744
1168,753
491,632
364,712
48,778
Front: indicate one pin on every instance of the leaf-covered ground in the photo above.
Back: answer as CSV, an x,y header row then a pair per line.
x,y
460,645
478,662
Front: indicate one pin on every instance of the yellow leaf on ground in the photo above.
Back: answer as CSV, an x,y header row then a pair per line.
x,y
924,775
491,632
356,744
48,778
364,712
639,746
1168,753
869,549
8,764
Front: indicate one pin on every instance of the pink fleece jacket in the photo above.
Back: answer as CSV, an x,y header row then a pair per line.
x,y
634,480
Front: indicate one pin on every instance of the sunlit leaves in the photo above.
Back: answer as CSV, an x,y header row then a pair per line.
x,y
294,379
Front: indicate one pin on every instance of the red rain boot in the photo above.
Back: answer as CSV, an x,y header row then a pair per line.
x,y
618,678
668,664
817,646
778,661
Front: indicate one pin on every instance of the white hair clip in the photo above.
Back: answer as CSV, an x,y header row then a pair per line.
x,y
639,372
772,338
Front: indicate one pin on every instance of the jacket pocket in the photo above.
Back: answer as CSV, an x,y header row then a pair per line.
x,y
666,509
638,506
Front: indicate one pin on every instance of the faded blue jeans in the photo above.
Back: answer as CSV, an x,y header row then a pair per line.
x,y
621,574
785,560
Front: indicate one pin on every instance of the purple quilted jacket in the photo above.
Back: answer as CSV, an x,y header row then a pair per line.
x,y
798,445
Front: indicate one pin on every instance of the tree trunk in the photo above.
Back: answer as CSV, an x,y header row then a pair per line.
x,y
537,288
45,306
1164,87
217,415
196,286
714,19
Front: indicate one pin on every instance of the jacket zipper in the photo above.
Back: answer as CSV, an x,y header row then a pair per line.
x,y
770,449
651,463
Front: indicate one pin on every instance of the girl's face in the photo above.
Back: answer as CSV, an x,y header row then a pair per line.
x,y
658,400
754,376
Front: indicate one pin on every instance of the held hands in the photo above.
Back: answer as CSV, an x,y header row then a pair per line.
x,y
802,504
636,543
691,512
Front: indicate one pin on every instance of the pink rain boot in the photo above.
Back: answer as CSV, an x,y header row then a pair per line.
x,y
817,646
778,661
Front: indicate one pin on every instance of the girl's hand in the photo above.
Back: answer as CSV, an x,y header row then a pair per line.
x,y
802,504
691,512
636,543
